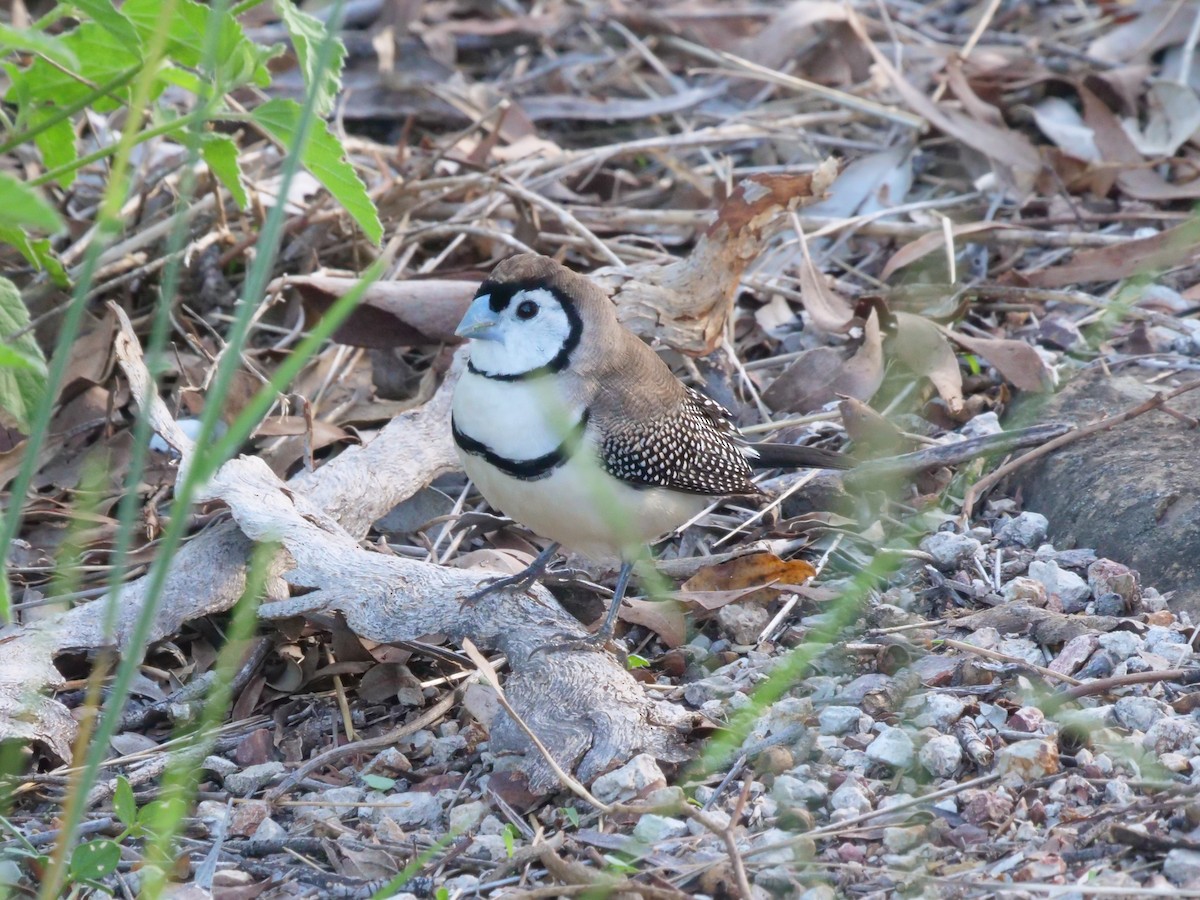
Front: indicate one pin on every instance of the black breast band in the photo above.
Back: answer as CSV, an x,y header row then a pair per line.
x,y
524,469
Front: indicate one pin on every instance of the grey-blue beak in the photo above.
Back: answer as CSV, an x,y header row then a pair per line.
x,y
480,323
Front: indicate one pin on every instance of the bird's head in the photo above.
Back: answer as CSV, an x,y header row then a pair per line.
x,y
529,315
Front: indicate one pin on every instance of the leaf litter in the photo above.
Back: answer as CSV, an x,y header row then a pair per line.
x,y
992,714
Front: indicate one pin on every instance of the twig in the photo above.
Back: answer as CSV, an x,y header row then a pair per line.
x,y
985,484
1103,685
366,745
952,454
485,669
1004,657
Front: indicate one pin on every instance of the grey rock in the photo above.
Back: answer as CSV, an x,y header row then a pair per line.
x,y
219,765
1159,640
651,828
252,778
789,790
950,550
465,816
940,710
1139,713
719,817
941,756
1071,590
715,687
1121,644
269,830
1111,604
1028,529
892,747
1171,734
780,857
1118,792
901,840
415,809
493,845
850,795
839,719
637,777
743,622
775,881
1182,867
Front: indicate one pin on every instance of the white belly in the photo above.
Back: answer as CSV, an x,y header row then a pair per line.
x,y
517,420
584,508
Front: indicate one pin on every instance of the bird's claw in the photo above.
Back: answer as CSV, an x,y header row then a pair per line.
x,y
598,642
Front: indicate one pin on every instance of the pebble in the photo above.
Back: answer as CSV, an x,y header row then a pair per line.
x,y
1139,713
1171,733
219,765
781,856
1072,591
719,817
715,687
412,810
1121,644
269,830
252,778
950,550
638,777
941,756
893,747
1026,761
743,622
465,816
941,711
493,845
789,790
1028,529
839,719
652,828
1023,589
850,796
1182,866
900,839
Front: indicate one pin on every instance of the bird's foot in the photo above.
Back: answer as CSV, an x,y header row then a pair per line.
x,y
522,581
598,642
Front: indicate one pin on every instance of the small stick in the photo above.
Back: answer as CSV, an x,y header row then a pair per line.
x,y
1004,657
952,454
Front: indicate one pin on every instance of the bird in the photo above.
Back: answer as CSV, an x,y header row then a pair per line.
x,y
571,425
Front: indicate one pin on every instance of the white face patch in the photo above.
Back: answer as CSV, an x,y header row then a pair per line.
x,y
532,329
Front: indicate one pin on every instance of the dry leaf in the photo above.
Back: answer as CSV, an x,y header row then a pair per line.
x,y
666,618
1134,177
1175,246
746,576
828,310
820,375
1017,361
392,313
934,240
920,346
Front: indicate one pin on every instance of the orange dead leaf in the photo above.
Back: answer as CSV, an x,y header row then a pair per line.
x,y
744,577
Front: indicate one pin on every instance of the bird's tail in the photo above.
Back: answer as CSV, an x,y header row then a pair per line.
x,y
791,456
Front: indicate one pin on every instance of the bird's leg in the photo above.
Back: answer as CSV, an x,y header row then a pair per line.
x,y
523,580
605,633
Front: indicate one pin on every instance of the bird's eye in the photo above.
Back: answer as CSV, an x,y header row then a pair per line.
x,y
527,309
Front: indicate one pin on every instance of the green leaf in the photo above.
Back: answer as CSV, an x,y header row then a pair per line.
x,y
124,804
379,782
24,207
57,144
307,34
509,834
31,40
326,160
238,60
572,814
637,662
38,253
221,154
22,385
95,860
102,57
105,14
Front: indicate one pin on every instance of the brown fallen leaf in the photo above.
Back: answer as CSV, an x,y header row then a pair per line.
x,y
828,310
1017,361
820,375
745,577
1174,247
1013,155
392,313
928,243
920,346
666,618
1134,177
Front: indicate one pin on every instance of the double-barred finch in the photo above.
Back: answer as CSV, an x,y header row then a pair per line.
x,y
572,426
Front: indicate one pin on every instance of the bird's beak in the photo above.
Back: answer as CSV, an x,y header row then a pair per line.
x,y
480,323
